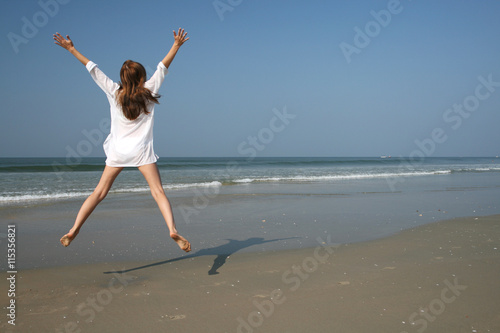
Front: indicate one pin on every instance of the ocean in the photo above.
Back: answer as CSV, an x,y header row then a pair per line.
x,y
28,181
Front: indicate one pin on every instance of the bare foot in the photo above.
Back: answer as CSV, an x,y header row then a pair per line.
x,y
181,241
68,238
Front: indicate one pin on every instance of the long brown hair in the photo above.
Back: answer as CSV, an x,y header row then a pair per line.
x,y
133,97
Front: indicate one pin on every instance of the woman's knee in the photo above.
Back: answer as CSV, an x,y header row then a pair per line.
x,y
157,192
100,194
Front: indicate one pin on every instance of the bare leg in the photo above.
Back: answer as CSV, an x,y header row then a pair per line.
x,y
152,175
108,177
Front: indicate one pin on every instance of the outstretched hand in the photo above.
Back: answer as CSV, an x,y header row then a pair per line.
x,y
61,41
180,37
67,44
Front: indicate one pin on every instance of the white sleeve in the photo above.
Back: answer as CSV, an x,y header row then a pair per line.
x,y
104,82
154,83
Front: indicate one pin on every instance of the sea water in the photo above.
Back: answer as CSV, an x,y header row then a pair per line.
x,y
28,181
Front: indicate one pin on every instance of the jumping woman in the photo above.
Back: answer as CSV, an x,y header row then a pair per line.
x,y
130,141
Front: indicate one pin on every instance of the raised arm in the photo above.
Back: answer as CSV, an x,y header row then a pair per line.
x,y
68,45
179,39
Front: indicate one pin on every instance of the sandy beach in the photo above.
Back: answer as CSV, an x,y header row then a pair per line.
x,y
440,277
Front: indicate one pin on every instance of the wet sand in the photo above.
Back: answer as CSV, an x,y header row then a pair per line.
x,y
440,277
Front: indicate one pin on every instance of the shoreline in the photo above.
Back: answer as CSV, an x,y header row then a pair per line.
x,y
449,269
241,218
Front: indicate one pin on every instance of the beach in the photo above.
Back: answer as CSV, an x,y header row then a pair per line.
x,y
443,277
349,254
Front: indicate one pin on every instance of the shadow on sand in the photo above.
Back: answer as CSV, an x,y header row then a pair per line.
x,y
221,252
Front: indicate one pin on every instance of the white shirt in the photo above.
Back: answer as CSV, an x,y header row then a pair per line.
x,y
130,142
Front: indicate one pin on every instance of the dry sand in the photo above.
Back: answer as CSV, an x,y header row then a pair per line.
x,y
443,277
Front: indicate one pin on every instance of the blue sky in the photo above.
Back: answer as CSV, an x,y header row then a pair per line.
x,y
356,78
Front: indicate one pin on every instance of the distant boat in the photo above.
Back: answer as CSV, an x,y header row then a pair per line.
x,y
385,156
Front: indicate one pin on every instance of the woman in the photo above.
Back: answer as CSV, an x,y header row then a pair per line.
x,y
130,141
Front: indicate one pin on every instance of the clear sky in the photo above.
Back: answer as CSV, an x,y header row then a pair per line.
x,y
276,78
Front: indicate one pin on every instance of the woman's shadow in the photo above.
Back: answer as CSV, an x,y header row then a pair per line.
x,y
222,252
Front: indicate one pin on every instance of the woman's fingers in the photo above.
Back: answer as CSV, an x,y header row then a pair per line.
x,y
57,40
180,35
58,37
63,42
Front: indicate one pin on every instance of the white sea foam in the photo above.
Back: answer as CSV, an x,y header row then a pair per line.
x,y
485,169
40,196
335,177
244,180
